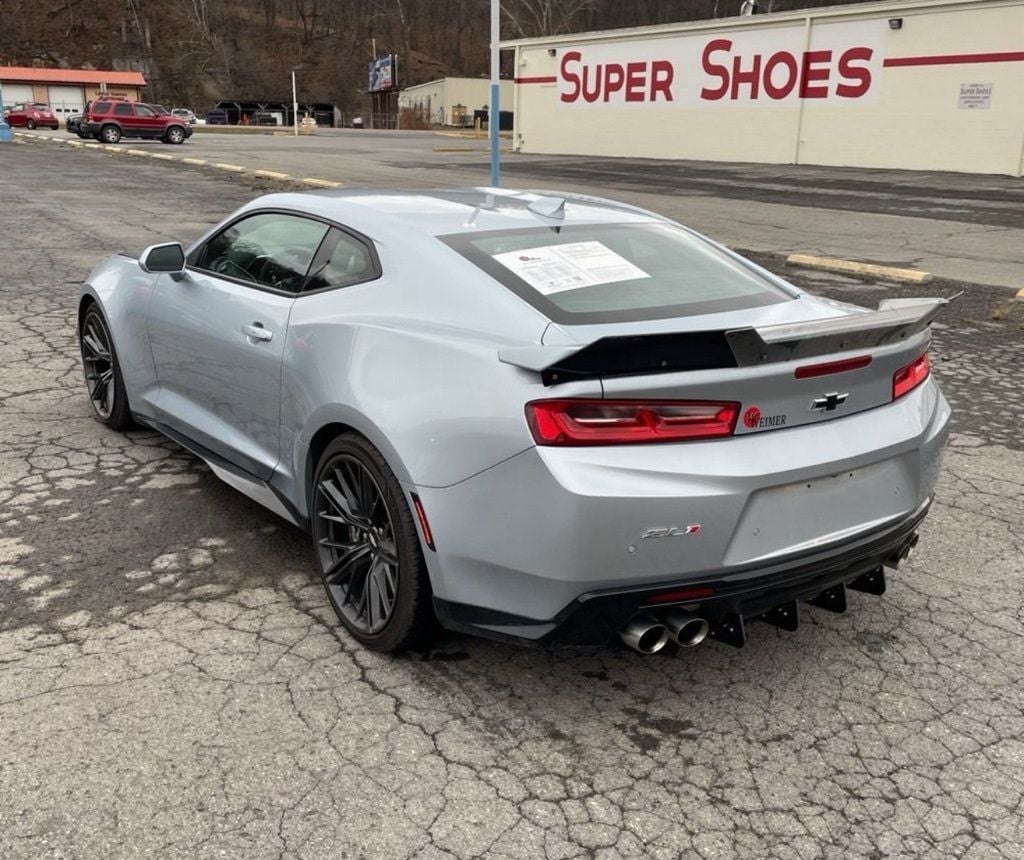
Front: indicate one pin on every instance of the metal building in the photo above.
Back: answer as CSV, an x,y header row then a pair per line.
x,y
452,101
923,84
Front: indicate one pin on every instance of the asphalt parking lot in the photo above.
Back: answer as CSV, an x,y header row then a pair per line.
x,y
173,682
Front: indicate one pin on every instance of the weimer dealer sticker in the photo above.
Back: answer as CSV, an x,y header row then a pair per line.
x,y
556,268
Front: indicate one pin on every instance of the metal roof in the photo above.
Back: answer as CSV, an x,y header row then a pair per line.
x,y
84,77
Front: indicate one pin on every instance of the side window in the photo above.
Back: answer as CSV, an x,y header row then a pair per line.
x,y
269,250
343,260
122,109
142,110
101,107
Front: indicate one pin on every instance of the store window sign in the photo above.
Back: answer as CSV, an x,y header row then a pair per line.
x,y
841,63
975,96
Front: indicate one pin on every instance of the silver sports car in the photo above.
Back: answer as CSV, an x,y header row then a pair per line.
x,y
545,418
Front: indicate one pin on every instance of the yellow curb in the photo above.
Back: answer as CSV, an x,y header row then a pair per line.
x,y
198,161
272,174
829,264
75,142
162,156
140,152
93,146
1020,294
115,149
320,183
459,149
237,168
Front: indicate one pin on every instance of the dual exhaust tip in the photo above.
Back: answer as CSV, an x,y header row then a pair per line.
x,y
648,635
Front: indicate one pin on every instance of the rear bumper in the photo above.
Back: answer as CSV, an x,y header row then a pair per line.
x,y
769,593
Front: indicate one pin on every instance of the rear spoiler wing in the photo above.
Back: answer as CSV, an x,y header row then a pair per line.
x,y
631,355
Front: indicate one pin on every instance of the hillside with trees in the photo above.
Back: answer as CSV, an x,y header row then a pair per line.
x,y
195,52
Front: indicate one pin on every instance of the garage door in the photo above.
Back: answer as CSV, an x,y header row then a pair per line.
x,y
65,101
14,93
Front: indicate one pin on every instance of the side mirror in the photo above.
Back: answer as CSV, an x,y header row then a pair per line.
x,y
168,258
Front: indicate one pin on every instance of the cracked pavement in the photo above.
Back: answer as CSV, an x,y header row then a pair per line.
x,y
173,682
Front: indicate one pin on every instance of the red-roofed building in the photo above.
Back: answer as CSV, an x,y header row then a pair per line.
x,y
66,90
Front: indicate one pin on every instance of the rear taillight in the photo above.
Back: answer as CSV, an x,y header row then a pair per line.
x,y
909,377
622,422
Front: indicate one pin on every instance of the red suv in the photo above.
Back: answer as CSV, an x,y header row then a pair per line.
x,y
32,114
111,119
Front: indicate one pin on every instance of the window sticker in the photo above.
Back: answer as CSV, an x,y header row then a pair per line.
x,y
557,268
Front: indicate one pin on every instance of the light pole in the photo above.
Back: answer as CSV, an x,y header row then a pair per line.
x,y
5,129
295,99
494,113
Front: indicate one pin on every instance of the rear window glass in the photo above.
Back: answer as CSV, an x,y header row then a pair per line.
x,y
616,272
101,107
122,110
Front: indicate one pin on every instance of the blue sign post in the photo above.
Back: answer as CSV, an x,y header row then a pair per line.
x,y
5,129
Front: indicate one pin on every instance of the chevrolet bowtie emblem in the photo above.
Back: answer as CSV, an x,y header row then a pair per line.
x,y
828,403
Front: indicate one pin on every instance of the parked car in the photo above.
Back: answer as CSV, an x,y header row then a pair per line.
x,y
262,117
307,123
109,120
539,417
31,115
217,117
73,124
185,114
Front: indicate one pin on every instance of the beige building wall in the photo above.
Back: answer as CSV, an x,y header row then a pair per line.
x,y
444,95
944,91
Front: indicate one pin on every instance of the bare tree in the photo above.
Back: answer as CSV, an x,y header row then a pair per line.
x,y
544,17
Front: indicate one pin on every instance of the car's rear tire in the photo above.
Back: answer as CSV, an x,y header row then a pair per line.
x,y
30,124
368,549
110,134
175,135
103,372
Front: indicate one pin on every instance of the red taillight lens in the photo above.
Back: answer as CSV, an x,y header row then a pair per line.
x,y
621,422
808,371
908,378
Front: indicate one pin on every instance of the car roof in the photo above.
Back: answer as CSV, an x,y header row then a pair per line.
x,y
384,213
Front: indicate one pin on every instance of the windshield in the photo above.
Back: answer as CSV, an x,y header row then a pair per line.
x,y
616,272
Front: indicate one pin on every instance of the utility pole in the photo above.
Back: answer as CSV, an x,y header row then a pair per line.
x,y
295,106
494,113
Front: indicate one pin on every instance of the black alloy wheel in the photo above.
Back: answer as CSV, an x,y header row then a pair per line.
x,y
30,124
175,135
368,548
110,134
102,373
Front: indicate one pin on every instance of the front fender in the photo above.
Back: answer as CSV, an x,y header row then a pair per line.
x,y
123,292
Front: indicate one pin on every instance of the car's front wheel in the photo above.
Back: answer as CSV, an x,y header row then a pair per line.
x,y
102,372
30,124
110,134
368,548
175,135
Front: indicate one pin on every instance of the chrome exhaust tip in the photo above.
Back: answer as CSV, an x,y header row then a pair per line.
x,y
645,634
686,629
903,554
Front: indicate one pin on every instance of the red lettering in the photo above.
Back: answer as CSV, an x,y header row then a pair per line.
x,y
740,77
593,73
613,78
661,79
715,69
635,81
860,74
572,79
811,59
774,90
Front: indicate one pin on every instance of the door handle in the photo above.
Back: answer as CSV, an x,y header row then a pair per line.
x,y
257,332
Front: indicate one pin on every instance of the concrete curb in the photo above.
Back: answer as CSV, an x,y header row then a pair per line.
x,y
272,176
851,267
321,183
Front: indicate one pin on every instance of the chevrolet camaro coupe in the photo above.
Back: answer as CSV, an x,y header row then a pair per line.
x,y
539,417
